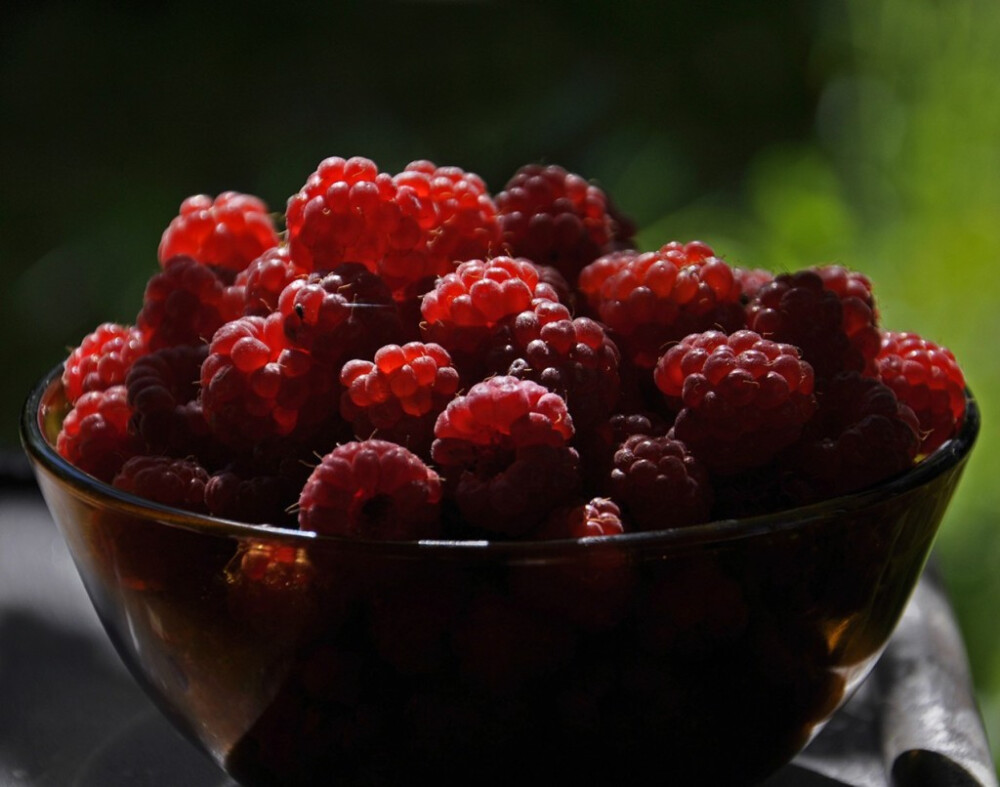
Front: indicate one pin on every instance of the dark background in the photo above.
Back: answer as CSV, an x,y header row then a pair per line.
x,y
783,133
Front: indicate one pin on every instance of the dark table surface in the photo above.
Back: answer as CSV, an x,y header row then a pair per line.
x,y
71,715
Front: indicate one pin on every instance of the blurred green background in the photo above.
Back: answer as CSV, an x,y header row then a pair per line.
x,y
785,134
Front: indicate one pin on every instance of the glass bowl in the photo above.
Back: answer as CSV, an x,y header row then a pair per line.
x,y
708,654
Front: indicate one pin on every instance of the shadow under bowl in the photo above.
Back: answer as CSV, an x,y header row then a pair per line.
x,y
709,654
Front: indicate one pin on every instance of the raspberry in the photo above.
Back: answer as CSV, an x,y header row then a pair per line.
x,y
598,517
336,315
262,281
861,434
464,306
466,225
751,280
270,588
927,378
372,489
253,385
660,484
256,498
655,298
503,448
827,312
95,435
226,233
102,359
554,217
163,394
573,358
743,398
399,395
348,211
173,482
185,303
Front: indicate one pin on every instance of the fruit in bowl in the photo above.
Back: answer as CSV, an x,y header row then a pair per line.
x,y
441,484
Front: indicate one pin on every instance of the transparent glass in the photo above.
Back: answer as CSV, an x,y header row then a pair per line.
x,y
709,654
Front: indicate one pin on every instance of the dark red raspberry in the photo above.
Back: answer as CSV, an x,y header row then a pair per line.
x,y
655,298
162,479
254,386
226,233
95,435
861,434
660,484
465,305
372,489
271,588
348,211
399,395
751,280
466,226
503,449
102,359
185,303
163,392
263,280
573,358
743,398
554,217
336,315
827,312
245,496
926,377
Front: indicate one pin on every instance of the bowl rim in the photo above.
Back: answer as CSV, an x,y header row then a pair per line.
x,y
951,454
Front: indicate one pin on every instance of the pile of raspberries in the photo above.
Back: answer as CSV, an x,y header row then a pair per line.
x,y
410,357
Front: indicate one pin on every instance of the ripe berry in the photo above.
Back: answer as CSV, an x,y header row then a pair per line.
x,y
828,313
185,303
598,517
655,298
503,449
861,434
225,233
173,482
102,359
398,395
554,217
927,378
743,398
262,281
465,225
348,211
343,313
659,484
372,489
95,435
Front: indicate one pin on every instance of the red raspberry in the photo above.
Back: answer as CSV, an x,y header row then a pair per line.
x,y
173,482
861,434
185,303
466,226
659,297
348,211
503,448
336,315
926,377
573,358
247,497
659,484
372,489
399,395
226,233
263,280
163,394
751,280
827,312
598,517
464,306
270,588
253,385
743,398
102,359
95,435
554,217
